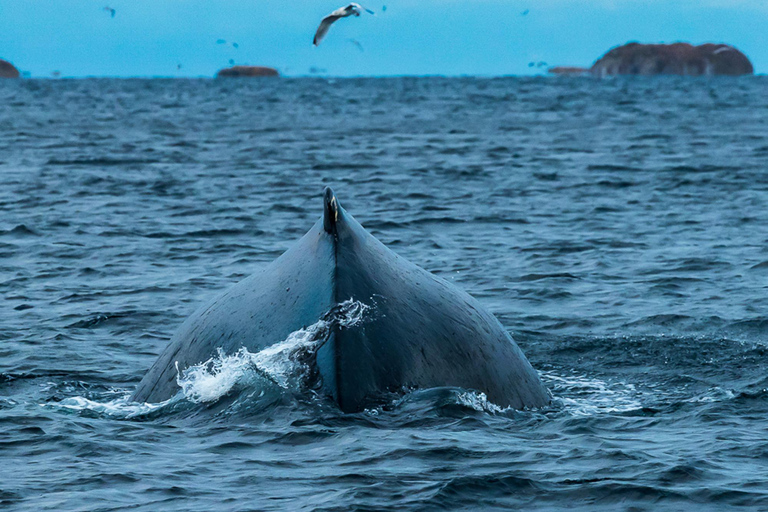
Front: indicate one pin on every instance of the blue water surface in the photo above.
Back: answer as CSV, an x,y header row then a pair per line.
x,y
617,228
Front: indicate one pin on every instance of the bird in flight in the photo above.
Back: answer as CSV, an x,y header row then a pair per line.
x,y
357,43
352,9
110,11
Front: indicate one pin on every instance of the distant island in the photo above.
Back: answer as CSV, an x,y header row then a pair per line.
x,y
247,71
666,59
569,70
8,70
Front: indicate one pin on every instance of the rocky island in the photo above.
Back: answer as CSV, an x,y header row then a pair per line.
x,y
667,59
248,71
8,70
569,70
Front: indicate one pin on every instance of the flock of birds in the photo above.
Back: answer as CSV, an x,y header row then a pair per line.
x,y
352,9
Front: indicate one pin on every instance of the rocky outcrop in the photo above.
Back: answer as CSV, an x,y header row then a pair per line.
x,y
568,70
673,59
8,70
247,71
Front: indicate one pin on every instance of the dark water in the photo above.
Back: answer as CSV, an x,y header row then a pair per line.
x,y
617,228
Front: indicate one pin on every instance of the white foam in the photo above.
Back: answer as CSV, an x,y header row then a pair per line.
x,y
586,396
715,394
210,380
479,402
121,407
279,363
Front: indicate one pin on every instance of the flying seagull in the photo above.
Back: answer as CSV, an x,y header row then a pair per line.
x,y
110,11
352,9
357,43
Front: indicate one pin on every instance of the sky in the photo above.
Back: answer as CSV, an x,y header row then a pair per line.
x,y
411,37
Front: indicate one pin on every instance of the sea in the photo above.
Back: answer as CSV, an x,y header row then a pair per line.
x,y
617,228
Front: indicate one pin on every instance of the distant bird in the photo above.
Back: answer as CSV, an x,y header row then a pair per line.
x,y
110,11
178,66
231,62
352,9
56,74
357,43
221,41
383,8
525,12
236,45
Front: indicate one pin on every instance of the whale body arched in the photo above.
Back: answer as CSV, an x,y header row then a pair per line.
x,y
424,331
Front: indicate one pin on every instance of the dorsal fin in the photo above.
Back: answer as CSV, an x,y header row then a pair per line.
x,y
330,211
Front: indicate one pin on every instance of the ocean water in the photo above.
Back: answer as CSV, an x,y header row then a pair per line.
x,y
617,228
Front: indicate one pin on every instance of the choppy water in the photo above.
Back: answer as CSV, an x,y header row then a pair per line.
x,y
617,228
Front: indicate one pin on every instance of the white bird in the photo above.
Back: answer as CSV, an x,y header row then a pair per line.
x,y
352,9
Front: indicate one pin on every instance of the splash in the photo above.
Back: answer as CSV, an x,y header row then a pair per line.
x,y
284,364
479,402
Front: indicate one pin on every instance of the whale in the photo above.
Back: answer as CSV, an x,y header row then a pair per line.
x,y
421,331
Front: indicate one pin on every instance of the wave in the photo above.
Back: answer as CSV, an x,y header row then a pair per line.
x,y
19,230
121,407
102,162
582,395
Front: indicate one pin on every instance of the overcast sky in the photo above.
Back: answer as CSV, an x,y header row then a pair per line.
x,y
410,37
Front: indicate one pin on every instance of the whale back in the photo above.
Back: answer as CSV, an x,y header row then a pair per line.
x,y
420,331
290,293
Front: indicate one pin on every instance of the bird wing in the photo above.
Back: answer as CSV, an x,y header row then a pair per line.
x,y
363,8
324,26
